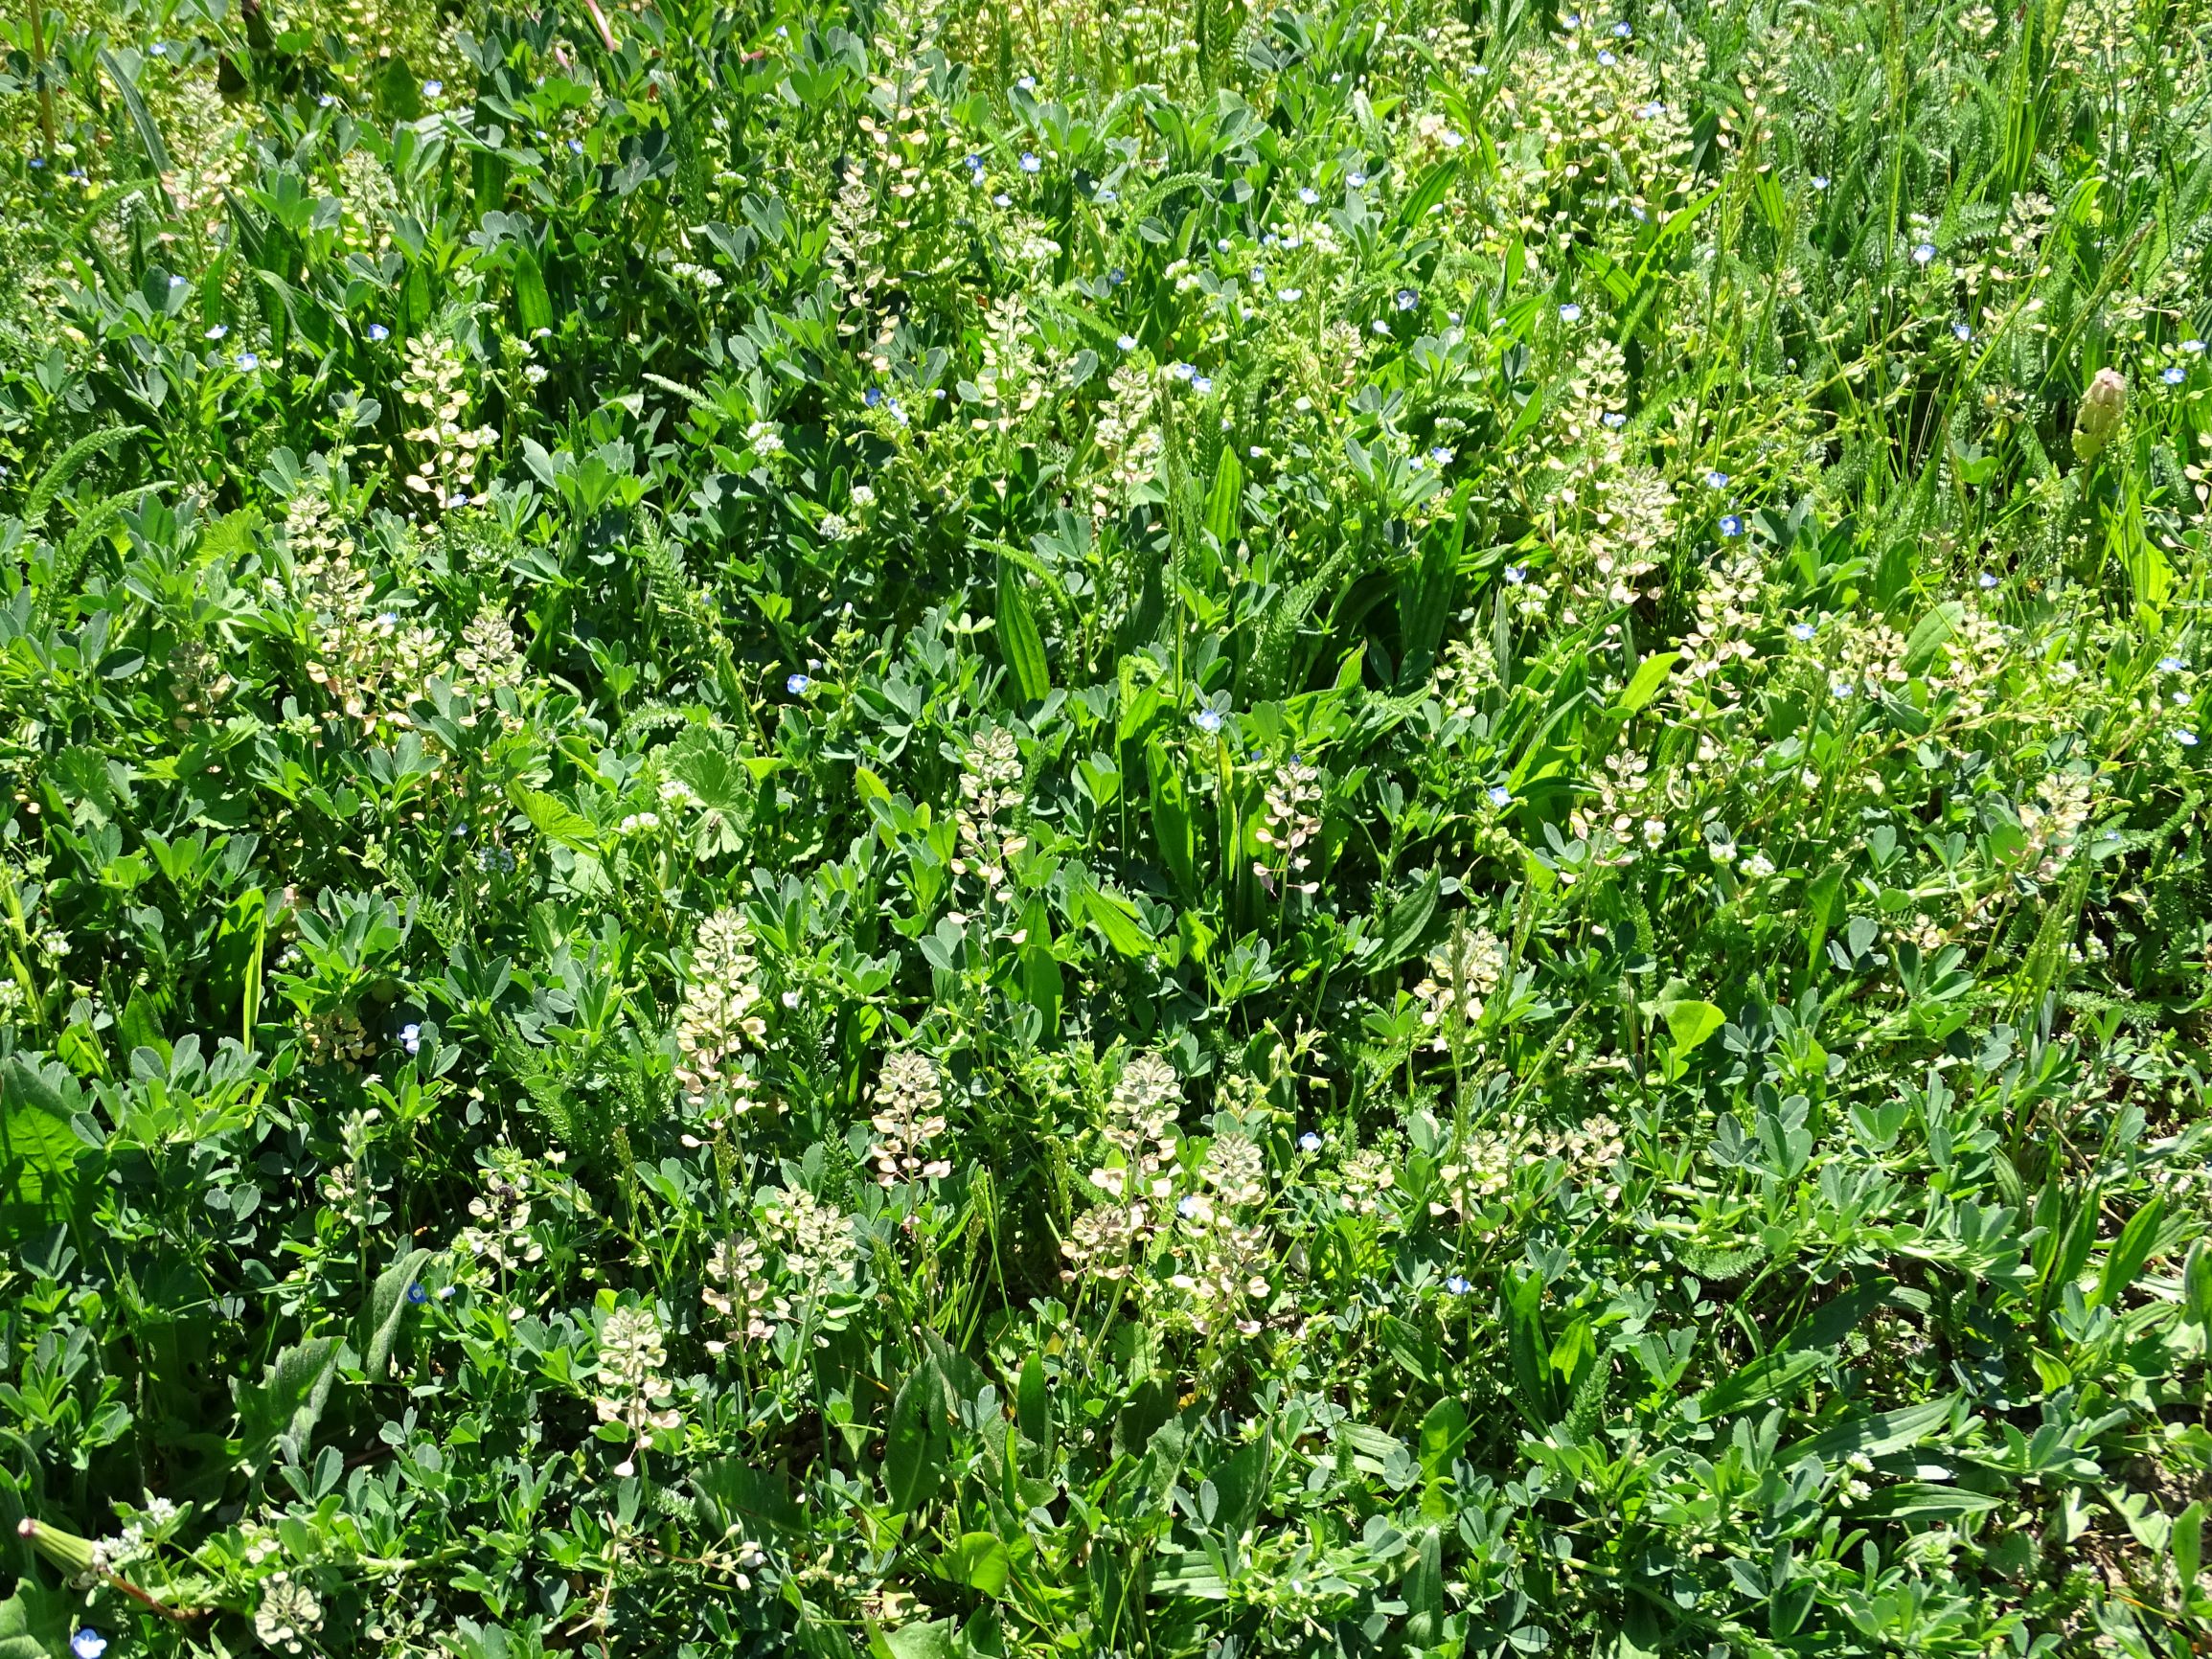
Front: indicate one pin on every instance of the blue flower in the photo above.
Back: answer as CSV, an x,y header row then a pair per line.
x,y
1207,721
1308,1142
1652,110
1116,277
1457,1284
974,162
1517,574
2173,374
1614,418
1500,795
2186,737
432,88
218,331
378,332
1308,195
2172,664
325,101
1622,31
1105,194
1030,163
1608,59
575,147
797,685
1202,384
1960,332
873,397
1924,253
248,361
1002,199
1819,181
1408,299
1355,180
1440,456
175,283
1289,296
1574,20
1803,631
416,1293
39,160
1128,342
1716,480
411,1038
1027,84
1985,581
1731,524
1183,370
88,1643
2195,348
1570,313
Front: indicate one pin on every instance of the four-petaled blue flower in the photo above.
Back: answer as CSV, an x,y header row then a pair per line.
x,y
218,331
1570,313
88,1643
1985,581
378,332
1731,524
1622,31
248,361
1202,384
1308,195
2195,348
873,397
1207,721
1029,162
797,685
1517,574
432,88
416,1293
1355,180
1608,59
1716,480
1803,631
1408,299
1308,1142
1924,253
411,1038
1614,418
1960,332
1128,342
1458,1284
2172,664
2173,374
2186,739
1500,795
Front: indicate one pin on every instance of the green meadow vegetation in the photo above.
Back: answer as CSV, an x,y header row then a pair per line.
x,y
941,831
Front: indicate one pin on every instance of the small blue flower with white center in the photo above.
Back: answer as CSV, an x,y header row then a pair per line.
x,y
1500,795
1202,385
325,101
1027,84
1517,574
1574,20
432,88
1002,199
1923,254
2173,374
218,331
1380,327
1986,580
1801,631
1188,1206
174,283
1608,58
1356,180
248,361
1128,342
38,162
1289,296
416,1293
88,1643
1614,419
873,397
1441,455
1819,181
2195,348
1308,195
575,147
1458,1284
1570,313
1207,721
1408,299
1622,31
1731,524
972,162
2170,665
1652,110
2186,737
1308,1142
1030,163
797,685
1183,370
378,333
1960,332
1716,480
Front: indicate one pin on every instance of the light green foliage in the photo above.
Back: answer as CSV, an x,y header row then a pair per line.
x,y
921,828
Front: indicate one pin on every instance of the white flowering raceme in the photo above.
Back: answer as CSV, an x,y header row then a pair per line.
x,y
717,1026
907,1119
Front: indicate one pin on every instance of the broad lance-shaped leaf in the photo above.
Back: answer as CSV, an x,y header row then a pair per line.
x,y
387,1305
1018,637
39,1149
277,1417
